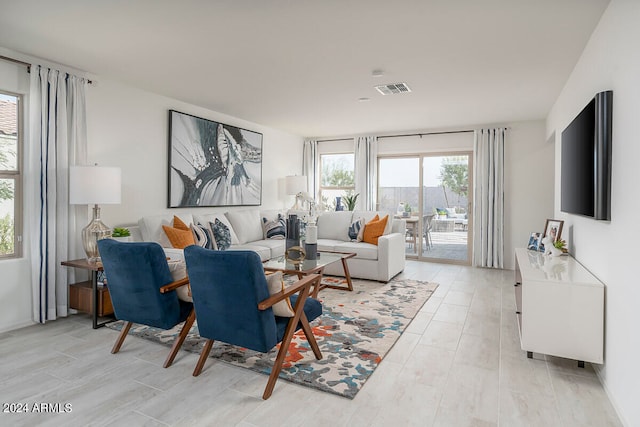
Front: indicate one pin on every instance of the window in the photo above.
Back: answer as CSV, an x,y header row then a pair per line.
x,y
337,178
10,176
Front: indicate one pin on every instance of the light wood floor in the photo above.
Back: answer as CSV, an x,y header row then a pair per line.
x,y
458,364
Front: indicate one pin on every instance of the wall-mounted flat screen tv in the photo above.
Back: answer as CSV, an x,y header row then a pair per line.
x,y
586,161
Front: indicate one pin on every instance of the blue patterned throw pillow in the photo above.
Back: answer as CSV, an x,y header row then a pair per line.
x,y
221,234
356,230
274,229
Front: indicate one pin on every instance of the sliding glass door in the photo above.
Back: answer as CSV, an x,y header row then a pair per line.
x,y
431,193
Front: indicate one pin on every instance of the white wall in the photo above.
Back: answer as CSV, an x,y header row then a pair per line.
x,y
529,172
528,177
608,249
128,127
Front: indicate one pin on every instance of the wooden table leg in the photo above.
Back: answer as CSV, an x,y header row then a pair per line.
x,y
319,286
347,275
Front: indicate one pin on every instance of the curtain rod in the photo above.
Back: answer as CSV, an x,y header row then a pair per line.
x,y
26,64
15,61
428,133
409,134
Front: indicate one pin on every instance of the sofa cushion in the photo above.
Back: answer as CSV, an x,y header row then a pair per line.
x,y
247,225
275,245
334,225
221,234
151,227
262,251
362,250
374,229
328,244
207,218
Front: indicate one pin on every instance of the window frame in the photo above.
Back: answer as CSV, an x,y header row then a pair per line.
x,y
322,187
17,177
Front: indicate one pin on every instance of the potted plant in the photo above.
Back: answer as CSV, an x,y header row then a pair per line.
x,y
121,234
561,245
350,200
407,210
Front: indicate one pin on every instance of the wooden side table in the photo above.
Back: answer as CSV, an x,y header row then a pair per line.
x,y
97,295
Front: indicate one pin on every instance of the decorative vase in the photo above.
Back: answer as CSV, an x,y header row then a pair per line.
x,y
311,242
555,251
339,206
293,231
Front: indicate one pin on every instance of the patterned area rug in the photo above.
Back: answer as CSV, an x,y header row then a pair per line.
x,y
356,330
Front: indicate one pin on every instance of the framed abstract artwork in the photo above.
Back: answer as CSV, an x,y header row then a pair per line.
x,y
213,164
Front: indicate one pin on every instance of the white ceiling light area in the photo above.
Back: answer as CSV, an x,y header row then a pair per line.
x,y
303,66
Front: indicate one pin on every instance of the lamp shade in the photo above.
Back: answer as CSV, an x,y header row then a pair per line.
x,y
295,184
94,185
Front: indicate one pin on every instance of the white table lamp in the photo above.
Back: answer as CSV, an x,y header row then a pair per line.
x,y
94,185
296,185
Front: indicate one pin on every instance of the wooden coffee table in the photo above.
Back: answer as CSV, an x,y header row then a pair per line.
x,y
314,266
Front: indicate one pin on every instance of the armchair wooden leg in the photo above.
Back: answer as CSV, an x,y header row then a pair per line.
x,y
286,340
180,339
203,357
308,332
121,337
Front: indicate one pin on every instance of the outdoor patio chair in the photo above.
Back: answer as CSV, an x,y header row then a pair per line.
x,y
426,230
233,305
143,291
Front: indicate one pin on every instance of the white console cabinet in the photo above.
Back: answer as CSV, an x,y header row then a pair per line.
x,y
560,307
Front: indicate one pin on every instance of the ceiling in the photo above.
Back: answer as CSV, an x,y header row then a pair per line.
x,y
301,66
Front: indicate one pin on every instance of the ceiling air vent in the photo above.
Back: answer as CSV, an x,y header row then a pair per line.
x,y
393,88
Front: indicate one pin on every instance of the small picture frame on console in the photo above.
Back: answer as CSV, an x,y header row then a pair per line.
x,y
553,228
534,241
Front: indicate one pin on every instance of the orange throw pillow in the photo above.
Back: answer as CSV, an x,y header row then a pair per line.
x,y
179,235
179,224
374,229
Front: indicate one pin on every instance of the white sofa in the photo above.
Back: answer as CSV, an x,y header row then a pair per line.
x,y
381,262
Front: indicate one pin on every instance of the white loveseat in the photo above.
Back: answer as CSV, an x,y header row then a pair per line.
x,y
374,262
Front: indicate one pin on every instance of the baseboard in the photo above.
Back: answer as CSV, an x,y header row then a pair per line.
x,y
19,325
616,408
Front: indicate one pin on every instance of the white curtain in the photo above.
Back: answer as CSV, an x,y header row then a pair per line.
x,y
366,171
57,139
488,218
310,166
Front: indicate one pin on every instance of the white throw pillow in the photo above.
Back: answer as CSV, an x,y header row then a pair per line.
x,y
178,271
275,283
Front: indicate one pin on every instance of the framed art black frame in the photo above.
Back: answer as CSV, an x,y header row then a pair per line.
x,y
212,164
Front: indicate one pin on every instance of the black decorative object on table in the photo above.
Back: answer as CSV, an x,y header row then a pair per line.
x,y
293,231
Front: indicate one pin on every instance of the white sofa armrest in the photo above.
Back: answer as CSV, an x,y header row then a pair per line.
x,y
390,255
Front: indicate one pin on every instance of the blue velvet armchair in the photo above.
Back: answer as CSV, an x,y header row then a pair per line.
x,y
233,305
143,291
